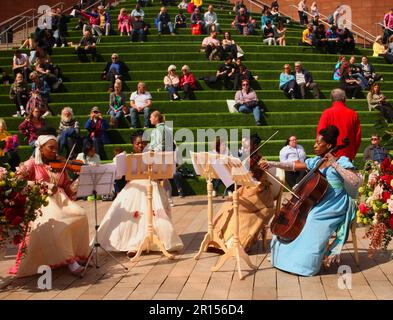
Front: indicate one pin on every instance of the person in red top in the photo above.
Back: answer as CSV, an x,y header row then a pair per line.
x,y
388,26
347,122
187,83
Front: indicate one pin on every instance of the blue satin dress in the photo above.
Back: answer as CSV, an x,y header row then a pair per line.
x,y
334,213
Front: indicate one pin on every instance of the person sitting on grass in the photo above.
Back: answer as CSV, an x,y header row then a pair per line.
x,y
247,102
87,45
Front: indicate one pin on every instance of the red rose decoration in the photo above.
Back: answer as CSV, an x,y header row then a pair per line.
x,y
17,239
387,178
136,215
363,208
9,213
17,220
385,164
20,200
385,196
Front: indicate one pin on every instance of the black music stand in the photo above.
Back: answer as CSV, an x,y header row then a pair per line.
x,y
97,180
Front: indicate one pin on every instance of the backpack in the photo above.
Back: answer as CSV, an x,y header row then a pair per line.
x,y
196,29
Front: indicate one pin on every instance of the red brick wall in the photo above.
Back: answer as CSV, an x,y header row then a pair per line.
x,y
365,13
11,8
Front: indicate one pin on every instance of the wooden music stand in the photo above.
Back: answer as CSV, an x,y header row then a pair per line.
x,y
233,167
202,167
152,166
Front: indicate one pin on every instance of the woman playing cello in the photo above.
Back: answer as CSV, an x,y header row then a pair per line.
x,y
334,213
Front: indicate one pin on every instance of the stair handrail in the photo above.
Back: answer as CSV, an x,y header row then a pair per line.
x,y
363,33
23,14
25,20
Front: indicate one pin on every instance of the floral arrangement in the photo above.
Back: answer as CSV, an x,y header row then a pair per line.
x,y
376,203
20,202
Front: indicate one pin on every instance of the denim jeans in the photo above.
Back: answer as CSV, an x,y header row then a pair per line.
x,y
171,91
169,25
256,111
135,123
116,114
136,33
64,136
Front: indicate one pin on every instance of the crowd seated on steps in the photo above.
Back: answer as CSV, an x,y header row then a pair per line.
x,y
181,87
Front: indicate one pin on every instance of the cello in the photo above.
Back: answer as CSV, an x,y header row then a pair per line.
x,y
290,220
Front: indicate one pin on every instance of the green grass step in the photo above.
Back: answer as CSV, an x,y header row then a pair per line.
x,y
207,65
154,75
224,119
201,106
304,132
162,95
201,85
196,55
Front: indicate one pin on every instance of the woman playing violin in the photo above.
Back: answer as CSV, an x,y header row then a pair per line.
x,y
334,213
60,236
255,204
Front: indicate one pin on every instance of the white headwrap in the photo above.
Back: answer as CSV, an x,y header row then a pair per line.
x,y
41,140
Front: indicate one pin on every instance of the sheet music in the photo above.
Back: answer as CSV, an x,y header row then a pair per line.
x,y
230,169
222,171
100,178
163,165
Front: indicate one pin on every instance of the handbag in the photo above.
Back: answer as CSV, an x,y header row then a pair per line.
x,y
251,104
196,29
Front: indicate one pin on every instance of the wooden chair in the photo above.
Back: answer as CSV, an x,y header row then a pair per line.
x,y
277,191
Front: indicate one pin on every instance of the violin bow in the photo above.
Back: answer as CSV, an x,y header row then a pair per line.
x,y
68,159
262,144
267,172
279,182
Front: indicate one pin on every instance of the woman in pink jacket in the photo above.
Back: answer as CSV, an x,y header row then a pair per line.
x,y
187,83
124,22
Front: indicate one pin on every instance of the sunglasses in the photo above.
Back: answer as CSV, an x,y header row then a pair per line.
x,y
114,58
374,139
244,84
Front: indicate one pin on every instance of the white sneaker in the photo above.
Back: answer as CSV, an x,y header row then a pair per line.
x,y
22,111
17,114
256,77
175,96
63,45
214,193
55,45
230,193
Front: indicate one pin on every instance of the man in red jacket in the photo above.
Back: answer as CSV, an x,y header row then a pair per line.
x,y
346,120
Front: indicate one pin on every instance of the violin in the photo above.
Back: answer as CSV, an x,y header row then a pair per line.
x,y
290,220
61,164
